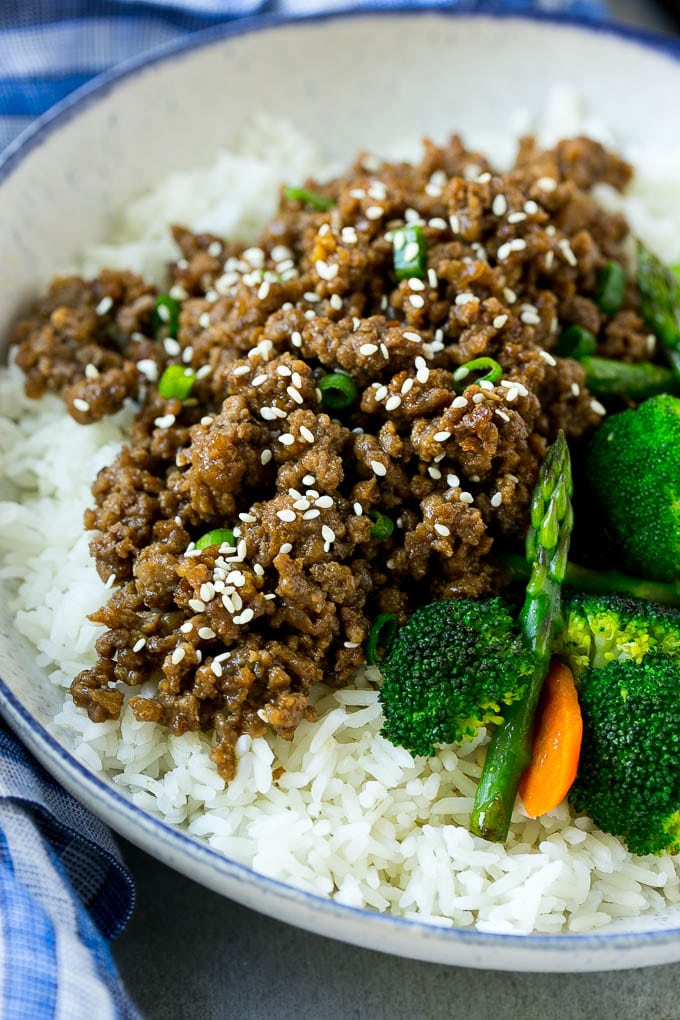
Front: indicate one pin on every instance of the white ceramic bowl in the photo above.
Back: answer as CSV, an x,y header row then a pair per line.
x,y
349,81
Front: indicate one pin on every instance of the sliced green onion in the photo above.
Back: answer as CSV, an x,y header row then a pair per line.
x,y
176,382
380,638
382,526
492,371
220,536
338,391
166,315
409,253
611,288
576,342
309,198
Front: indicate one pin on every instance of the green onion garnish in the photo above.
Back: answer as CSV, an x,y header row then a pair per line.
x,y
409,253
309,198
166,315
611,288
220,536
176,382
382,526
380,638
338,391
576,342
491,369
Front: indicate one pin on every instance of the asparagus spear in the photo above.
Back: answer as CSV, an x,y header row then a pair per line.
x,y
547,546
585,579
606,377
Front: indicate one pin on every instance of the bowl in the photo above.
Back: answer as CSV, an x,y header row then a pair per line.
x,y
352,81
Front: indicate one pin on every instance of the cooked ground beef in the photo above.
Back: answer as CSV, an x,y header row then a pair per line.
x,y
235,635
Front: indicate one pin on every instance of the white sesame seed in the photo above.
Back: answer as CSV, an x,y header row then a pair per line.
x,y
91,371
165,421
417,301
454,223
177,656
411,251
546,183
247,518
548,358
415,284
380,393
434,472
499,206
309,515
477,398
325,502
258,569
228,604
575,389
216,667
437,223
286,548
530,318
393,403
246,616
378,468
147,366
423,374
565,248
206,633
207,591
263,290
512,394
187,627
413,337
171,346
336,302
441,437
442,530
368,349
138,645
358,509
296,339
327,533
80,404
500,321
597,407
466,497
465,298
286,439
407,386
453,481
306,434
459,402
271,595
502,415
286,515
374,212
349,235
265,457
496,499
106,304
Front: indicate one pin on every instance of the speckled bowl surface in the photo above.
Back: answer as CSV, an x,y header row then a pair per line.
x,y
349,81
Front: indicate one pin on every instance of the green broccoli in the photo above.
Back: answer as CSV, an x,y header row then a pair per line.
x,y
628,780
625,656
599,629
633,468
449,670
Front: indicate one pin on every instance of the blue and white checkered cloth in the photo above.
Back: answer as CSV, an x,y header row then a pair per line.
x,y
64,891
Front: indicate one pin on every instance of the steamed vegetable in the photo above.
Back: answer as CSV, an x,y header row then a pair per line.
x,y
547,546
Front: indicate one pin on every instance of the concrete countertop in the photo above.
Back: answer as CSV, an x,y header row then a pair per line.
x,y
188,953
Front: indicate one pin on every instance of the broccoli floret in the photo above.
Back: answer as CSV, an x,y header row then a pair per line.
x,y
628,778
599,629
632,466
449,670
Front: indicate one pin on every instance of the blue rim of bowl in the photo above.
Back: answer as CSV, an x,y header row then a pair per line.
x,y
13,709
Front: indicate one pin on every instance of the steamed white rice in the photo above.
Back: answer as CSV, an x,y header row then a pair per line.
x,y
339,811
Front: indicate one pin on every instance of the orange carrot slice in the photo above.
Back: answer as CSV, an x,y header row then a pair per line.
x,y
556,744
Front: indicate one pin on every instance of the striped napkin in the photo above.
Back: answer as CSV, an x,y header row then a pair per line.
x,y
64,890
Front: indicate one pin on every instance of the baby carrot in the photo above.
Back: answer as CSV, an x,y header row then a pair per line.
x,y
556,744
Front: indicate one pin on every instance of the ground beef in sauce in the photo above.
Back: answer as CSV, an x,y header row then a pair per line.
x,y
234,636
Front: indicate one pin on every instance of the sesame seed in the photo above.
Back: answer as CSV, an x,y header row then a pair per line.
x,y
441,437
358,509
325,271
308,480
147,366
286,548
207,592
423,374
509,295
187,627
378,468
288,516
499,206
512,394
296,339
271,595
432,278
367,349
442,530
227,603
306,434
417,301
80,404
325,502
565,248
575,389
411,251
91,371
301,504
413,337
374,212
286,439
216,666
171,346
485,384
466,497
530,318
415,284
546,183
465,298
434,472
407,386
502,415
496,499
336,302
138,645
263,290
309,515
106,304
349,235
177,656
500,321
393,403
459,402
327,533
548,358
247,518
258,569
477,398
206,633
237,601
246,616
597,407
437,223
165,421
352,644
380,392
265,457
454,223
259,379
240,370
453,481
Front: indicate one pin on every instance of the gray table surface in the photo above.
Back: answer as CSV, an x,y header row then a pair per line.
x,y
188,953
